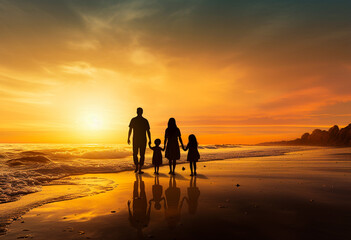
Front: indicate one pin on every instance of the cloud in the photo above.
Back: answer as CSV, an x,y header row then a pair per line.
x,y
223,62
303,101
82,68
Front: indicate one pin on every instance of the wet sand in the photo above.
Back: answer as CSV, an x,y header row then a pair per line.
x,y
302,195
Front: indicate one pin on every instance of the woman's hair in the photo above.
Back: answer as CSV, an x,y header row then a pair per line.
x,y
192,140
172,123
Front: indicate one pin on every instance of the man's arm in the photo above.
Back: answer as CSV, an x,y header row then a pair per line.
x,y
149,135
129,133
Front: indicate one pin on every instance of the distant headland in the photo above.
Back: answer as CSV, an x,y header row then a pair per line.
x,y
333,137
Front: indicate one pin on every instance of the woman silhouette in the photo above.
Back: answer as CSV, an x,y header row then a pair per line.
x,y
171,144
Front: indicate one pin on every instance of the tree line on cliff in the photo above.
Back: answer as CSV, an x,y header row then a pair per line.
x,y
332,137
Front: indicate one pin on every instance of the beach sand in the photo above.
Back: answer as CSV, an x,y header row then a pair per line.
x,y
301,195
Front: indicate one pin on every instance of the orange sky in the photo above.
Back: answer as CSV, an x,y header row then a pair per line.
x,y
228,71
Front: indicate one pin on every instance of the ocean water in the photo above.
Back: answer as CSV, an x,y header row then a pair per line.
x,y
26,168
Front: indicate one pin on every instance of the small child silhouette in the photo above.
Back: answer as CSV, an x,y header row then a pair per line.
x,y
193,154
157,155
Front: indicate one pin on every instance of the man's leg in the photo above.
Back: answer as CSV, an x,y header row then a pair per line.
x,y
135,156
142,156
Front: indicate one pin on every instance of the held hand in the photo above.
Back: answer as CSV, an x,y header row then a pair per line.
x,y
128,141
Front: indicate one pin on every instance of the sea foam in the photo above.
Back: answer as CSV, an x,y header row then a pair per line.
x,y
25,168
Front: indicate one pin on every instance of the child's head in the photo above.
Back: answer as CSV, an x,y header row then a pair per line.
x,y
192,140
157,142
157,205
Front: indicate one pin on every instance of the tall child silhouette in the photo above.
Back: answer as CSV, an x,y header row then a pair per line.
x,y
193,154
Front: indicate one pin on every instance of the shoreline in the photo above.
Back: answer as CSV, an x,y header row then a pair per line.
x,y
7,219
217,184
233,155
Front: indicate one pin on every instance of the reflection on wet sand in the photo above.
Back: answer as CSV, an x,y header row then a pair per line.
x,y
172,202
193,196
172,207
157,191
140,217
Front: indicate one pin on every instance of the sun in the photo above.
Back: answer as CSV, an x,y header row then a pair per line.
x,y
93,121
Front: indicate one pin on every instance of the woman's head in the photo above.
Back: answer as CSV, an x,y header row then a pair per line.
x,y
192,140
172,123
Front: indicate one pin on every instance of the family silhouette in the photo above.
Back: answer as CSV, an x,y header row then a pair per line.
x,y
140,128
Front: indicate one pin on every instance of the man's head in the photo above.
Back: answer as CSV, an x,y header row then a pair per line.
x,y
139,111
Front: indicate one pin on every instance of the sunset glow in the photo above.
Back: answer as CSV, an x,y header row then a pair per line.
x,y
240,72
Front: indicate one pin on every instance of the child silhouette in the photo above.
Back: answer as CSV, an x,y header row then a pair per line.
x,y
157,155
193,154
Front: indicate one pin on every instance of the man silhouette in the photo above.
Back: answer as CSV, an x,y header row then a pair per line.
x,y
140,127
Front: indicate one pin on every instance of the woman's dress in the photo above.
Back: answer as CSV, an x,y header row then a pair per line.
x,y
172,150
